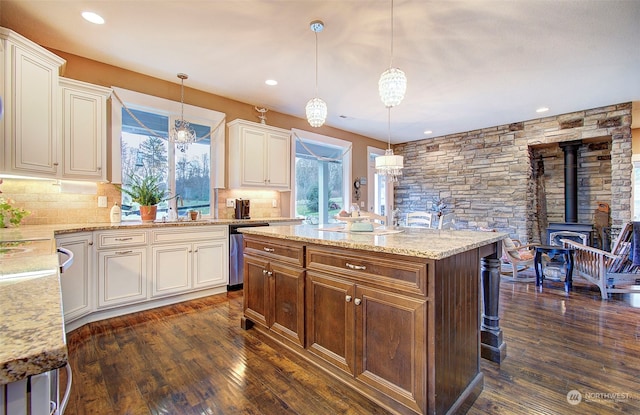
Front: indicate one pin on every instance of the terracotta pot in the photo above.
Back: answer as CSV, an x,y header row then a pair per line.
x,y
148,213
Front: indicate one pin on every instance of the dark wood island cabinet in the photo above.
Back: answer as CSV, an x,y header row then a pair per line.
x,y
397,321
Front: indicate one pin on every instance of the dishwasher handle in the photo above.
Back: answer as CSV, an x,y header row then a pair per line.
x,y
66,264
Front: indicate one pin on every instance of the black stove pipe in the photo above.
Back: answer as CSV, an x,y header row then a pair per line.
x,y
570,150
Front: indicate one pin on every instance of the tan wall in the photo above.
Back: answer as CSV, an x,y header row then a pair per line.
x,y
48,205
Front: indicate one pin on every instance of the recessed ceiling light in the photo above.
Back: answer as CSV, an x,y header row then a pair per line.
x,y
271,82
542,109
428,132
93,17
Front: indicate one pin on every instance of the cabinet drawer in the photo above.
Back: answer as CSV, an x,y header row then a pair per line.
x,y
121,238
391,271
189,233
287,251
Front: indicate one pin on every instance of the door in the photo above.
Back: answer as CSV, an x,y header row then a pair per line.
x,y
286,299
170,269
390,333
256,288
76,280
122,276
254,150
278,162
210,264
330,320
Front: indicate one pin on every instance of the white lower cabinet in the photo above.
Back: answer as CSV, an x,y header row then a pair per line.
x,y
122,276
77,281
186,266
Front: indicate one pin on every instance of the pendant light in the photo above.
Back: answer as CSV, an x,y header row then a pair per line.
x,y
181,133
393,83
389,165
316,108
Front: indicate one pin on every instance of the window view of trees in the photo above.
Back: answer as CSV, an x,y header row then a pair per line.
x,y
186,175
309,184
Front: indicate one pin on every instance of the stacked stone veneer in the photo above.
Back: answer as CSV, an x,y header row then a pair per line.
x,y
486,176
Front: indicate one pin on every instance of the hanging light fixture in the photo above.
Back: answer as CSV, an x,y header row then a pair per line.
x,y
316,108
393,83
389,165
182,134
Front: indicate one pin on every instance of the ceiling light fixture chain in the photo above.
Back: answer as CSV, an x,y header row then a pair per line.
x,y
316,108
182,134
392,87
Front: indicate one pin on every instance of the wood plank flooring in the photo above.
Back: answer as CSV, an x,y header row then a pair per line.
x,y
193,358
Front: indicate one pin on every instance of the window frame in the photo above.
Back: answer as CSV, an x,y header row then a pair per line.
x,y
346,163
171,109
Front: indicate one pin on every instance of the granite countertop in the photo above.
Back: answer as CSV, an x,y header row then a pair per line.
x,y
32,335
416,242
32,338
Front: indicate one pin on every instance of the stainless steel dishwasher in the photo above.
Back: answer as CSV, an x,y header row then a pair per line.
x,y
236,259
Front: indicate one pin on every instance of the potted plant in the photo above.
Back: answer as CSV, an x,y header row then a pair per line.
x,y
147,191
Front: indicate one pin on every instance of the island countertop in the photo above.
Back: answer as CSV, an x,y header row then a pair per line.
x,y
417,242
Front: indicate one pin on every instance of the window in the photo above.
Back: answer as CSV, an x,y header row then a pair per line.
x,y
322,176
144,150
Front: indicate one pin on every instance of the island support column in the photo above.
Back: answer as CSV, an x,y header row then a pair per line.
x,y
492,347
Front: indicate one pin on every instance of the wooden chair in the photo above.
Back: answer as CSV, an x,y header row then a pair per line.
x,y
519,256
612,272
446,221
420,219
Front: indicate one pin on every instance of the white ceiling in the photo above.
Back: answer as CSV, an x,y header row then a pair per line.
x,y
470,64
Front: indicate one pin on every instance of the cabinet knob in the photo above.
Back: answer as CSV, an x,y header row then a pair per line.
x,y
347,298
357,301
264,272
90,243
55,164
358,267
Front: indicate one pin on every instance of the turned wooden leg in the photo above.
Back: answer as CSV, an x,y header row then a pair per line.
x,y
492,347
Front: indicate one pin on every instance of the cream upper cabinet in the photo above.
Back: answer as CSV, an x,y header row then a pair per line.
x,y
259,156
84,130
30,130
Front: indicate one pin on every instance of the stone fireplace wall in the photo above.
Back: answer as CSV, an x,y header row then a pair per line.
x,y
486,176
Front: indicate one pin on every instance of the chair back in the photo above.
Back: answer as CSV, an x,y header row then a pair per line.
x,y
446,221
421,219
374,217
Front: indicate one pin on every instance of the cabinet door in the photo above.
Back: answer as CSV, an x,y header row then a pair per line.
x,y
254,149
84,121
278,163
286,298
122,277
330,319
390,345
210,264
76,281
256,289
170,269
33,114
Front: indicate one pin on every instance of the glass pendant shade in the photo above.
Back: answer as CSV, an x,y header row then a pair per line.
x,y
182,134
316,112
392,87
390,165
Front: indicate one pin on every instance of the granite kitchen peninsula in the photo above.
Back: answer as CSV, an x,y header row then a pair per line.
x,y
394,313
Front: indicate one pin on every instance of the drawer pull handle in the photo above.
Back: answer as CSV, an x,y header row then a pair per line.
x,y
358,267
347,298
124,239
123,252
357,301
268,249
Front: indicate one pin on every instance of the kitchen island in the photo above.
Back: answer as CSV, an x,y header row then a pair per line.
x,y
393,313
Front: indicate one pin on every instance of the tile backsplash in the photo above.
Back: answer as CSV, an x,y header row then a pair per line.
x,y
53,202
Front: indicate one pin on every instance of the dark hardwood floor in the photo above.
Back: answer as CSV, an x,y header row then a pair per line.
x,y
193,358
